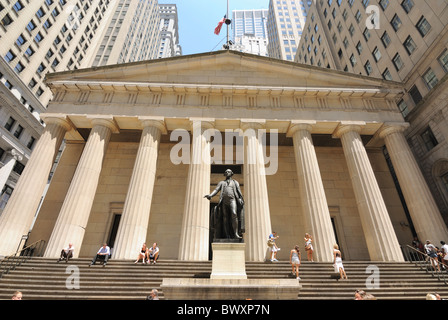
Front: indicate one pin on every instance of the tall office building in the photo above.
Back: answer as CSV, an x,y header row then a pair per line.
x,y
250,32
46,36
286,19
169,32
36,37
403,41
130,33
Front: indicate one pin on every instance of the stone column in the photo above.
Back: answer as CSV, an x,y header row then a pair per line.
x,y
11,158
133,226
74,215
423,209
381,239
194,239
20,210
256,208
312,194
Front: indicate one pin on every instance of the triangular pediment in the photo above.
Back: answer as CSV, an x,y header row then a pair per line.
x,y
222,68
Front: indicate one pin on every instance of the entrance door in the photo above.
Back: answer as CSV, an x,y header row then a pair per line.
x,y
333,223
113,230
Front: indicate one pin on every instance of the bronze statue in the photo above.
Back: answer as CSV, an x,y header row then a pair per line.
x,y
228,216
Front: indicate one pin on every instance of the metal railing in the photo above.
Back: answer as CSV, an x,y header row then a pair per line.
x,y
432,265
13,261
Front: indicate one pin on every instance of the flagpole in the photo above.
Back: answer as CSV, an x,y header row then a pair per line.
x,y
228,45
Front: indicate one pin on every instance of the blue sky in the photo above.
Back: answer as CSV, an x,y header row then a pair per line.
x,y
198,19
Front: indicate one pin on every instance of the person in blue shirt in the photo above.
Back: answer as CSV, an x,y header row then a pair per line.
x,y
102,254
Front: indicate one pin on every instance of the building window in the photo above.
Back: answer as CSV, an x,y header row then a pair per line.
x,y
443,59
31,143
407,5
409,44
10,56
384,4
353,60
18,132
423,26
20,40
7,20
398,63
415,94
10,123
368,67
376,54
387,75
18,168
19,67
366,34
396,22
429,139
359,47
403,107
430,79
385,39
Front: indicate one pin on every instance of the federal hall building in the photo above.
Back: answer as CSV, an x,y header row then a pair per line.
x,y
307,150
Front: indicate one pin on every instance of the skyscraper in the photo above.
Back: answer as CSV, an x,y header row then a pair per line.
x,y
42,36
169,31
130,33
286,19
403,41
249,31
37,37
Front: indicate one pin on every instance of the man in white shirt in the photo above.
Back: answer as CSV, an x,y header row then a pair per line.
x,y
102,254
153,253
67,253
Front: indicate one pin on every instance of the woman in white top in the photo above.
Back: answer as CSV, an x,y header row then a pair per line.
x,y
142,254
309,246
337,262
294,259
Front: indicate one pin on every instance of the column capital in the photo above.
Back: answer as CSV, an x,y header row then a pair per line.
x,y
206,123
16,154
158,122
348,126
297,125
252,124
58,119
105,121
392,127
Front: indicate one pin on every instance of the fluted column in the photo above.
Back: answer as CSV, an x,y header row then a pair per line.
x,y
257,214
423,209
133,227
312,194
194,240
74,215
19,212
11,158
381,239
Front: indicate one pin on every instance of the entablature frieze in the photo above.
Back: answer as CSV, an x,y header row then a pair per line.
x,y
169,124
200,96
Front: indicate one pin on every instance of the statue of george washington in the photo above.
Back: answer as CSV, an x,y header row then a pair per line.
x,y
228,216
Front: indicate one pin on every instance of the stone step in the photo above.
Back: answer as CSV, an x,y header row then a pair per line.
x,y
42,278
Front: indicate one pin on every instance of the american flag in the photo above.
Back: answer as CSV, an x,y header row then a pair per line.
x,y
220,23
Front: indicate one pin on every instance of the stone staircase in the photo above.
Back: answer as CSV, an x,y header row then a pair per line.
x,y
45,279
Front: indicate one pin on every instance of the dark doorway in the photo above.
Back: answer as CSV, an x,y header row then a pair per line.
x,y
113,230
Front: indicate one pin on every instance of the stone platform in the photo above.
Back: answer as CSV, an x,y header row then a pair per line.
x,y
230,289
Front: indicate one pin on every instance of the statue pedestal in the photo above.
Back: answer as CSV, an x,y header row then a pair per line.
x,y
229,260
